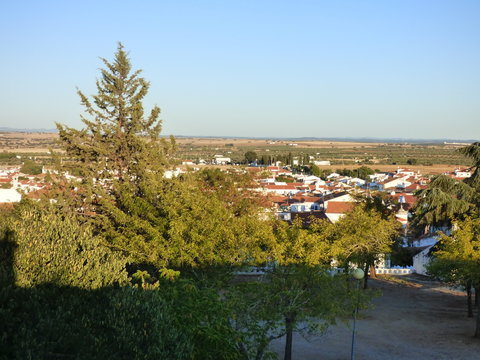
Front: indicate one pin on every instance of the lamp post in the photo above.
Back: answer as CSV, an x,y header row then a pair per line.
x,y
358,275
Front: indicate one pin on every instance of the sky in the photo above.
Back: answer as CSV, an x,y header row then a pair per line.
x,y
379,69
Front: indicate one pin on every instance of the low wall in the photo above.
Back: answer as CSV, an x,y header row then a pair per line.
x,y
379,271
394,271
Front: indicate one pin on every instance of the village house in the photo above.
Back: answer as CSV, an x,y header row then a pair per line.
x,y
9,196
221,160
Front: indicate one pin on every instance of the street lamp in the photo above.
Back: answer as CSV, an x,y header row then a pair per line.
x,y
358,275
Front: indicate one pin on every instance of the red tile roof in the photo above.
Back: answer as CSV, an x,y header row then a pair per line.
x,y
281,187
278,199
339,207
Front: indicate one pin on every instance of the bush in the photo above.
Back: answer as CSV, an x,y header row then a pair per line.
x,y
31,168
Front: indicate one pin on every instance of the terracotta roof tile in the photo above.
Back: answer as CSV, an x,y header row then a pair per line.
x,y
339,207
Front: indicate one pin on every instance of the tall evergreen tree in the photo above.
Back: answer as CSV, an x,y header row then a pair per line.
x,y
121,158
118,139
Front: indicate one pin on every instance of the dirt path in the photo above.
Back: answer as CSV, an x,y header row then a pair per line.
x,y
419,320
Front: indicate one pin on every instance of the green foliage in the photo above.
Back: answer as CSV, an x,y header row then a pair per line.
x,y
118,140
30,167
296,245
448,199
412,161
315,170
380,202
362,235
57,298
457,260
250,156
122,159
178,322
7,156
290,298
205,229
472,152
457,257
52,247
401,255
321,173
363,172
449,202
345,172
444,200
287,179
297,294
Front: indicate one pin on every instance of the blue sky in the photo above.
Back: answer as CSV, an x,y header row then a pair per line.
x,y
403,68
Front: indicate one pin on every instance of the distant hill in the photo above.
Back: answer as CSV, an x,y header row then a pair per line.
x,y
346,139
7,129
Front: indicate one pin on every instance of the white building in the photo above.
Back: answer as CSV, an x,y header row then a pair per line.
x,y
305,206
406,172
462,173
168,174
333,175
322,162
397,182
421,260
10,196
221,160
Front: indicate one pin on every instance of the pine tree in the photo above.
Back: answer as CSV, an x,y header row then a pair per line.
x,y
119,141
121,159
447,199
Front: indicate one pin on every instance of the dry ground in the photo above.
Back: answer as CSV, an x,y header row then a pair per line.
x,y
24,142
419,321
38,143
272,143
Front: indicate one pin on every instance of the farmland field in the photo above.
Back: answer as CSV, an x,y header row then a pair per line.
x,y
428,157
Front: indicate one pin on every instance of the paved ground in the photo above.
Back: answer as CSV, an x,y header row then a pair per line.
x,y
419,320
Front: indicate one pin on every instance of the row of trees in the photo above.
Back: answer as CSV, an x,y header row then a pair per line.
x,y
127,264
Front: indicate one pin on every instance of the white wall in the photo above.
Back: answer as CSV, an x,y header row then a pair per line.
x,y
421,260
9,196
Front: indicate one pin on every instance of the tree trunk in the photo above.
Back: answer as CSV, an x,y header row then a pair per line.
x,y
477,289
289,340
373,273
469,299
477,326
365,279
